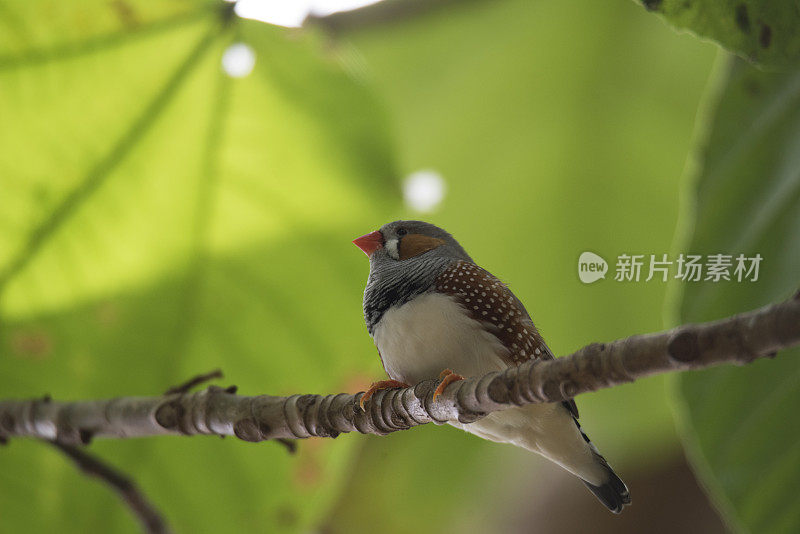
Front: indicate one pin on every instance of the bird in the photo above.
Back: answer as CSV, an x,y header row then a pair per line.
x,y
432,311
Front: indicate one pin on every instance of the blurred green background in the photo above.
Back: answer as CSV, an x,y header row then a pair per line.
x,y
160,218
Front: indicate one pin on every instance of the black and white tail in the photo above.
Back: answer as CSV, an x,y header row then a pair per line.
x,y
613,493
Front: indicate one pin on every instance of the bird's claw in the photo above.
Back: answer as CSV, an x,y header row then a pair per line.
x,y
447,377
377,386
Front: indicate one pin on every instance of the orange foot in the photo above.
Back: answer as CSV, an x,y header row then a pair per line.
x,y
377,386
447,377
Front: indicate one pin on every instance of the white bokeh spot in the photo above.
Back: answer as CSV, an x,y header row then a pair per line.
x,y
238,60
292,13
423,190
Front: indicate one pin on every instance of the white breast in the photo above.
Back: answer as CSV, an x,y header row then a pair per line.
x,y
433,332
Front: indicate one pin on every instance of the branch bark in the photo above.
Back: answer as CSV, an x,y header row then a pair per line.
x,y
738,340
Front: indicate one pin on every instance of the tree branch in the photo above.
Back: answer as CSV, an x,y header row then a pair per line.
x,y
194,382
145,512
739,340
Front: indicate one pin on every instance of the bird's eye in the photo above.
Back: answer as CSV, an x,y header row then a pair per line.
x,y
401,232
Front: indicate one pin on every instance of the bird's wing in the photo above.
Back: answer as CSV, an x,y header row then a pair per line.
x,y
491,302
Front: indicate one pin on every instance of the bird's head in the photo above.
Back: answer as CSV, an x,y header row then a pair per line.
x,y
400,241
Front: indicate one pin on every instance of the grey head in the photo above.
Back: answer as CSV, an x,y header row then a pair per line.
x,y
405,258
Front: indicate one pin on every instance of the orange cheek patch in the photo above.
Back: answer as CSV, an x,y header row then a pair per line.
x,y
416,244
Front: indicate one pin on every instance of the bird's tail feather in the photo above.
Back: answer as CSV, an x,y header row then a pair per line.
x,y
613,493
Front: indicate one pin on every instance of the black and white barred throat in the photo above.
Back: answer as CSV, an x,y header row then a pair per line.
x,y
393,283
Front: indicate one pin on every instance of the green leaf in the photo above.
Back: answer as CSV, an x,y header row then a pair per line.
x,y
764,31
160,219
740,421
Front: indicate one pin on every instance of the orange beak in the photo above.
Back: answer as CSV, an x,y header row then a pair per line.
x,y
369,243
